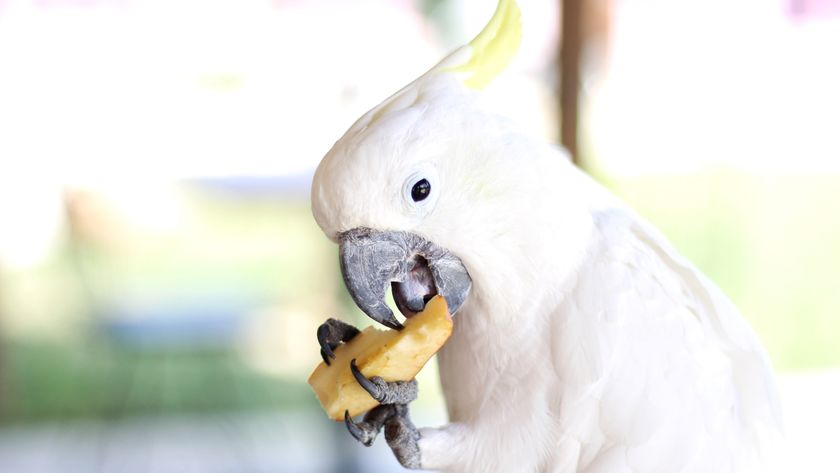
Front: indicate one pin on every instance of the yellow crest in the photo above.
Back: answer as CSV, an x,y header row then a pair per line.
x,y
494,47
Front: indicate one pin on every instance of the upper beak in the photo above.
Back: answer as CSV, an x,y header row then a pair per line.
x,y
415,267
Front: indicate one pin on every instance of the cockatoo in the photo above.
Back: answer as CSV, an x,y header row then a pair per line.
x,y
582,341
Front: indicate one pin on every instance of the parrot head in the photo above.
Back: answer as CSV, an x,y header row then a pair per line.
x,y
416,185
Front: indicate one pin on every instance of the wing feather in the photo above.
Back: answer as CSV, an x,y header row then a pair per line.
x,y
658,369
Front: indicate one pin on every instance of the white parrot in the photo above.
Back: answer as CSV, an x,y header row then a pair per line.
x,y
582,343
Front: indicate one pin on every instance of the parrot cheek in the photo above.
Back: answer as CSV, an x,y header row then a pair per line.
x,y
415,268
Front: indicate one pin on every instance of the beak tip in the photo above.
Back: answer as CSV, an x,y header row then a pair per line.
x,y
386,317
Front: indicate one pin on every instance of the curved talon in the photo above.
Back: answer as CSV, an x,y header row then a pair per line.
x,y
357,432
325,357
326,348
332,333
371,387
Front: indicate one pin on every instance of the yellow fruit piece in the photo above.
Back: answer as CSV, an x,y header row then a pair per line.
x,y
393,355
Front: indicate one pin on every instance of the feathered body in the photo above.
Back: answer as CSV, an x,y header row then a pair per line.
x,y
627,360
586,344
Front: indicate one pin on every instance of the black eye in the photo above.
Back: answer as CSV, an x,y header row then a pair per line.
x,y
421,190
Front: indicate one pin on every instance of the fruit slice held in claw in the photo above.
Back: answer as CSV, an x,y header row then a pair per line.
x,y
391,354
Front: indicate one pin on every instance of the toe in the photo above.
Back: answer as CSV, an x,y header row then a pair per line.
x,y
370,386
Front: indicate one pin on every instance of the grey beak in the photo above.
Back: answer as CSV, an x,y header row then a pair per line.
x,y
372,260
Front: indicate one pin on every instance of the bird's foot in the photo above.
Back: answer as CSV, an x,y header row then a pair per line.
x,y
392,414
400,433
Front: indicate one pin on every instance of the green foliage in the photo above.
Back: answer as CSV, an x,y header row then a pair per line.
x,y
50,381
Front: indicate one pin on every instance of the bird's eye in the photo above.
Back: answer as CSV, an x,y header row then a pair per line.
x,y
420,190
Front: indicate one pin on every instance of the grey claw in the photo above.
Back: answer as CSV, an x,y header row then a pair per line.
x,y
395,392
326,349
367,430
357,432
331,333
325,357
372,388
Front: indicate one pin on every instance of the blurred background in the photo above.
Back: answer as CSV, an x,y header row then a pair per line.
x,y
161,276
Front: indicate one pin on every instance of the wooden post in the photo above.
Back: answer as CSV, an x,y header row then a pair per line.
x,y
571,45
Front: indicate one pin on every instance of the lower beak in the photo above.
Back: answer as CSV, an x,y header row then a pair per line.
x,y
416,268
